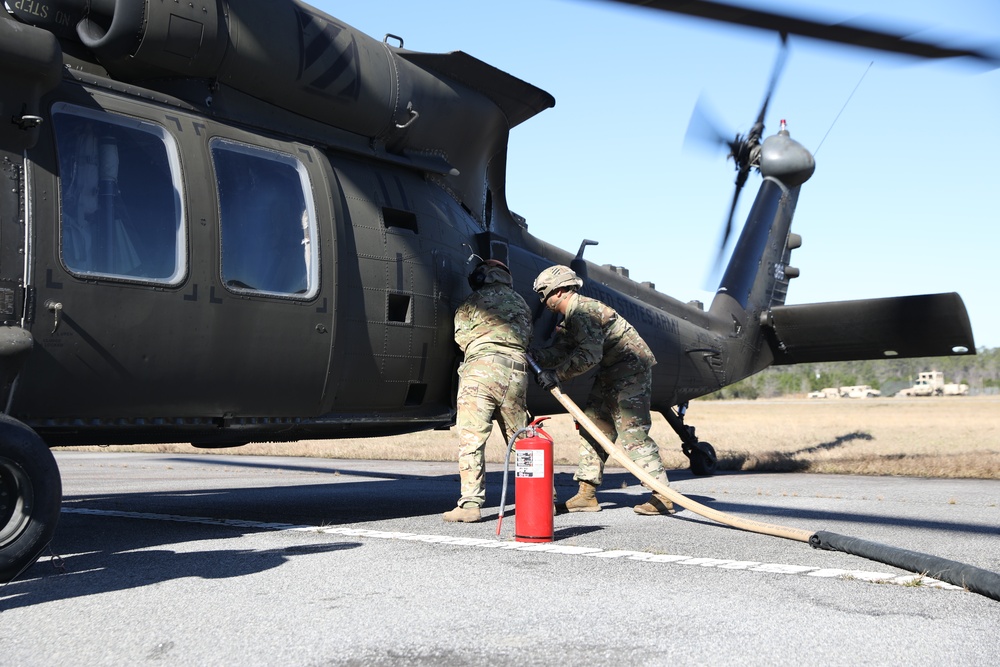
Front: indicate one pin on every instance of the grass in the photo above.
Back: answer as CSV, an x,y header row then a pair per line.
x,y
957,437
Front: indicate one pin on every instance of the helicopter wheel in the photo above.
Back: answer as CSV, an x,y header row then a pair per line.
x,y
703,459
30,497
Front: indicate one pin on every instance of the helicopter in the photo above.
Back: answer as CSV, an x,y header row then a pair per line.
x,y
238,221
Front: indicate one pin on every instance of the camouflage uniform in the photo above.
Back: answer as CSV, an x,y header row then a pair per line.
x,y
593,334
492,328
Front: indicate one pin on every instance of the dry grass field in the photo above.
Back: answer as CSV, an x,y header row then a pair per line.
x,y
925,437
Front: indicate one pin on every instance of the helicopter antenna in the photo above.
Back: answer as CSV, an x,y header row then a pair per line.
x,y
848,101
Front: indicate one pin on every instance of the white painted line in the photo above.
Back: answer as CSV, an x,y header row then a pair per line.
x,y
544,547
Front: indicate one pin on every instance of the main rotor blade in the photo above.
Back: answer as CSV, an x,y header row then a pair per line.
x,y
842,33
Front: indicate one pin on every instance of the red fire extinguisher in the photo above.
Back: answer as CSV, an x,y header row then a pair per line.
x,y
533,484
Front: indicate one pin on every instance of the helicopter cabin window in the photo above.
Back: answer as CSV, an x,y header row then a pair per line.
x,y
267,221
119,186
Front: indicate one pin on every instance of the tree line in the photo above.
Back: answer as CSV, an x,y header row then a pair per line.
x,y
980,371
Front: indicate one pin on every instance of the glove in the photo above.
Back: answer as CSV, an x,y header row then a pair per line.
x,y
547,380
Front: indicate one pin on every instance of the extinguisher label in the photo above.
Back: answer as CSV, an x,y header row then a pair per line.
x,y
530,463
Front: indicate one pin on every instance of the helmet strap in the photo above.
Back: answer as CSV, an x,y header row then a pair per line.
x,y
562,296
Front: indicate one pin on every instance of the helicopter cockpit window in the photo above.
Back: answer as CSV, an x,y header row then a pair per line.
x,y
267,221
119,185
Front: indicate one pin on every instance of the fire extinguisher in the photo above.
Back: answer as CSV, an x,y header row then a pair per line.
x,y
533,484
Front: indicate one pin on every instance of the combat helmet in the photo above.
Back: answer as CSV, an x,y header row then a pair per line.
x,y
489,271
555,277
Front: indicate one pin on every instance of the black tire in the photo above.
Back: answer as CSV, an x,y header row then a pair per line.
x,y
703,460
30,497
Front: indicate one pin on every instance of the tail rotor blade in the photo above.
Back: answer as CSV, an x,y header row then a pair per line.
x,y
703,129
728,228
745,150
779,66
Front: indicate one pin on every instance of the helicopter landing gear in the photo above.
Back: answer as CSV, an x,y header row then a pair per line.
x,y
701,454
30,497
702,457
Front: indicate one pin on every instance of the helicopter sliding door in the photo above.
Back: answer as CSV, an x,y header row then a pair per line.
x,y
400,275
177,272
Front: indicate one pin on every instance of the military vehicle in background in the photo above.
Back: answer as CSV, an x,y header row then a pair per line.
x,y
826,392
851,391
859,391
931,383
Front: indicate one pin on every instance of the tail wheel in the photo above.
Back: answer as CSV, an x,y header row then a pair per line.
x,y
703,459
30,497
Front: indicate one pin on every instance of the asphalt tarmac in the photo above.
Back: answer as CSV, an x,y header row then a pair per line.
x,y
226,560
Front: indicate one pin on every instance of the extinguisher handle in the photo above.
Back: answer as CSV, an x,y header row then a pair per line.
x,y
537,421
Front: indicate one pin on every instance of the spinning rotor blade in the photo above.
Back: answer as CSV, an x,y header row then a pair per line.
x,y
703,128
727,230
779,66
841,33
745,150
741,179
746,154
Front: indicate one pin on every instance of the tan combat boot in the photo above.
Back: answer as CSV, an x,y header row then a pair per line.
x,y
656,505
469,513
585,500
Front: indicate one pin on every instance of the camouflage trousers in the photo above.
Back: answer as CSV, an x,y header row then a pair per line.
x,y
486,391
620,408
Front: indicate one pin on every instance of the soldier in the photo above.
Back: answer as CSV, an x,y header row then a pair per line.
x,y
493,329
593,334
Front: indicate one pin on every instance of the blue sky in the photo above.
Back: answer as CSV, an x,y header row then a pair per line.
x,y
904,198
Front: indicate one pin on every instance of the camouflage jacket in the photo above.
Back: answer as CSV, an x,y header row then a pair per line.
x,y
593,334
493,320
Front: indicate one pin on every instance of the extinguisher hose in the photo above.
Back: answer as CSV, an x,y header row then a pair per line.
x,y
506,466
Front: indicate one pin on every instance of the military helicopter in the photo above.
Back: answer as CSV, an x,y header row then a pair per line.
x,y
234,221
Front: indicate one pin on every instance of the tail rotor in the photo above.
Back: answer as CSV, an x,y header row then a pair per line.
x,y
743,149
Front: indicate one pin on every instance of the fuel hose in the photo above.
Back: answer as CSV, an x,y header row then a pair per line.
x,y
969,577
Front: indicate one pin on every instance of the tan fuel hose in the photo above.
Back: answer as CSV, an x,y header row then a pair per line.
x,y
966,576
619,455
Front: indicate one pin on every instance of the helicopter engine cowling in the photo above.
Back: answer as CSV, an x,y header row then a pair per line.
x,y
284,53
785,159
141,40
446,113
